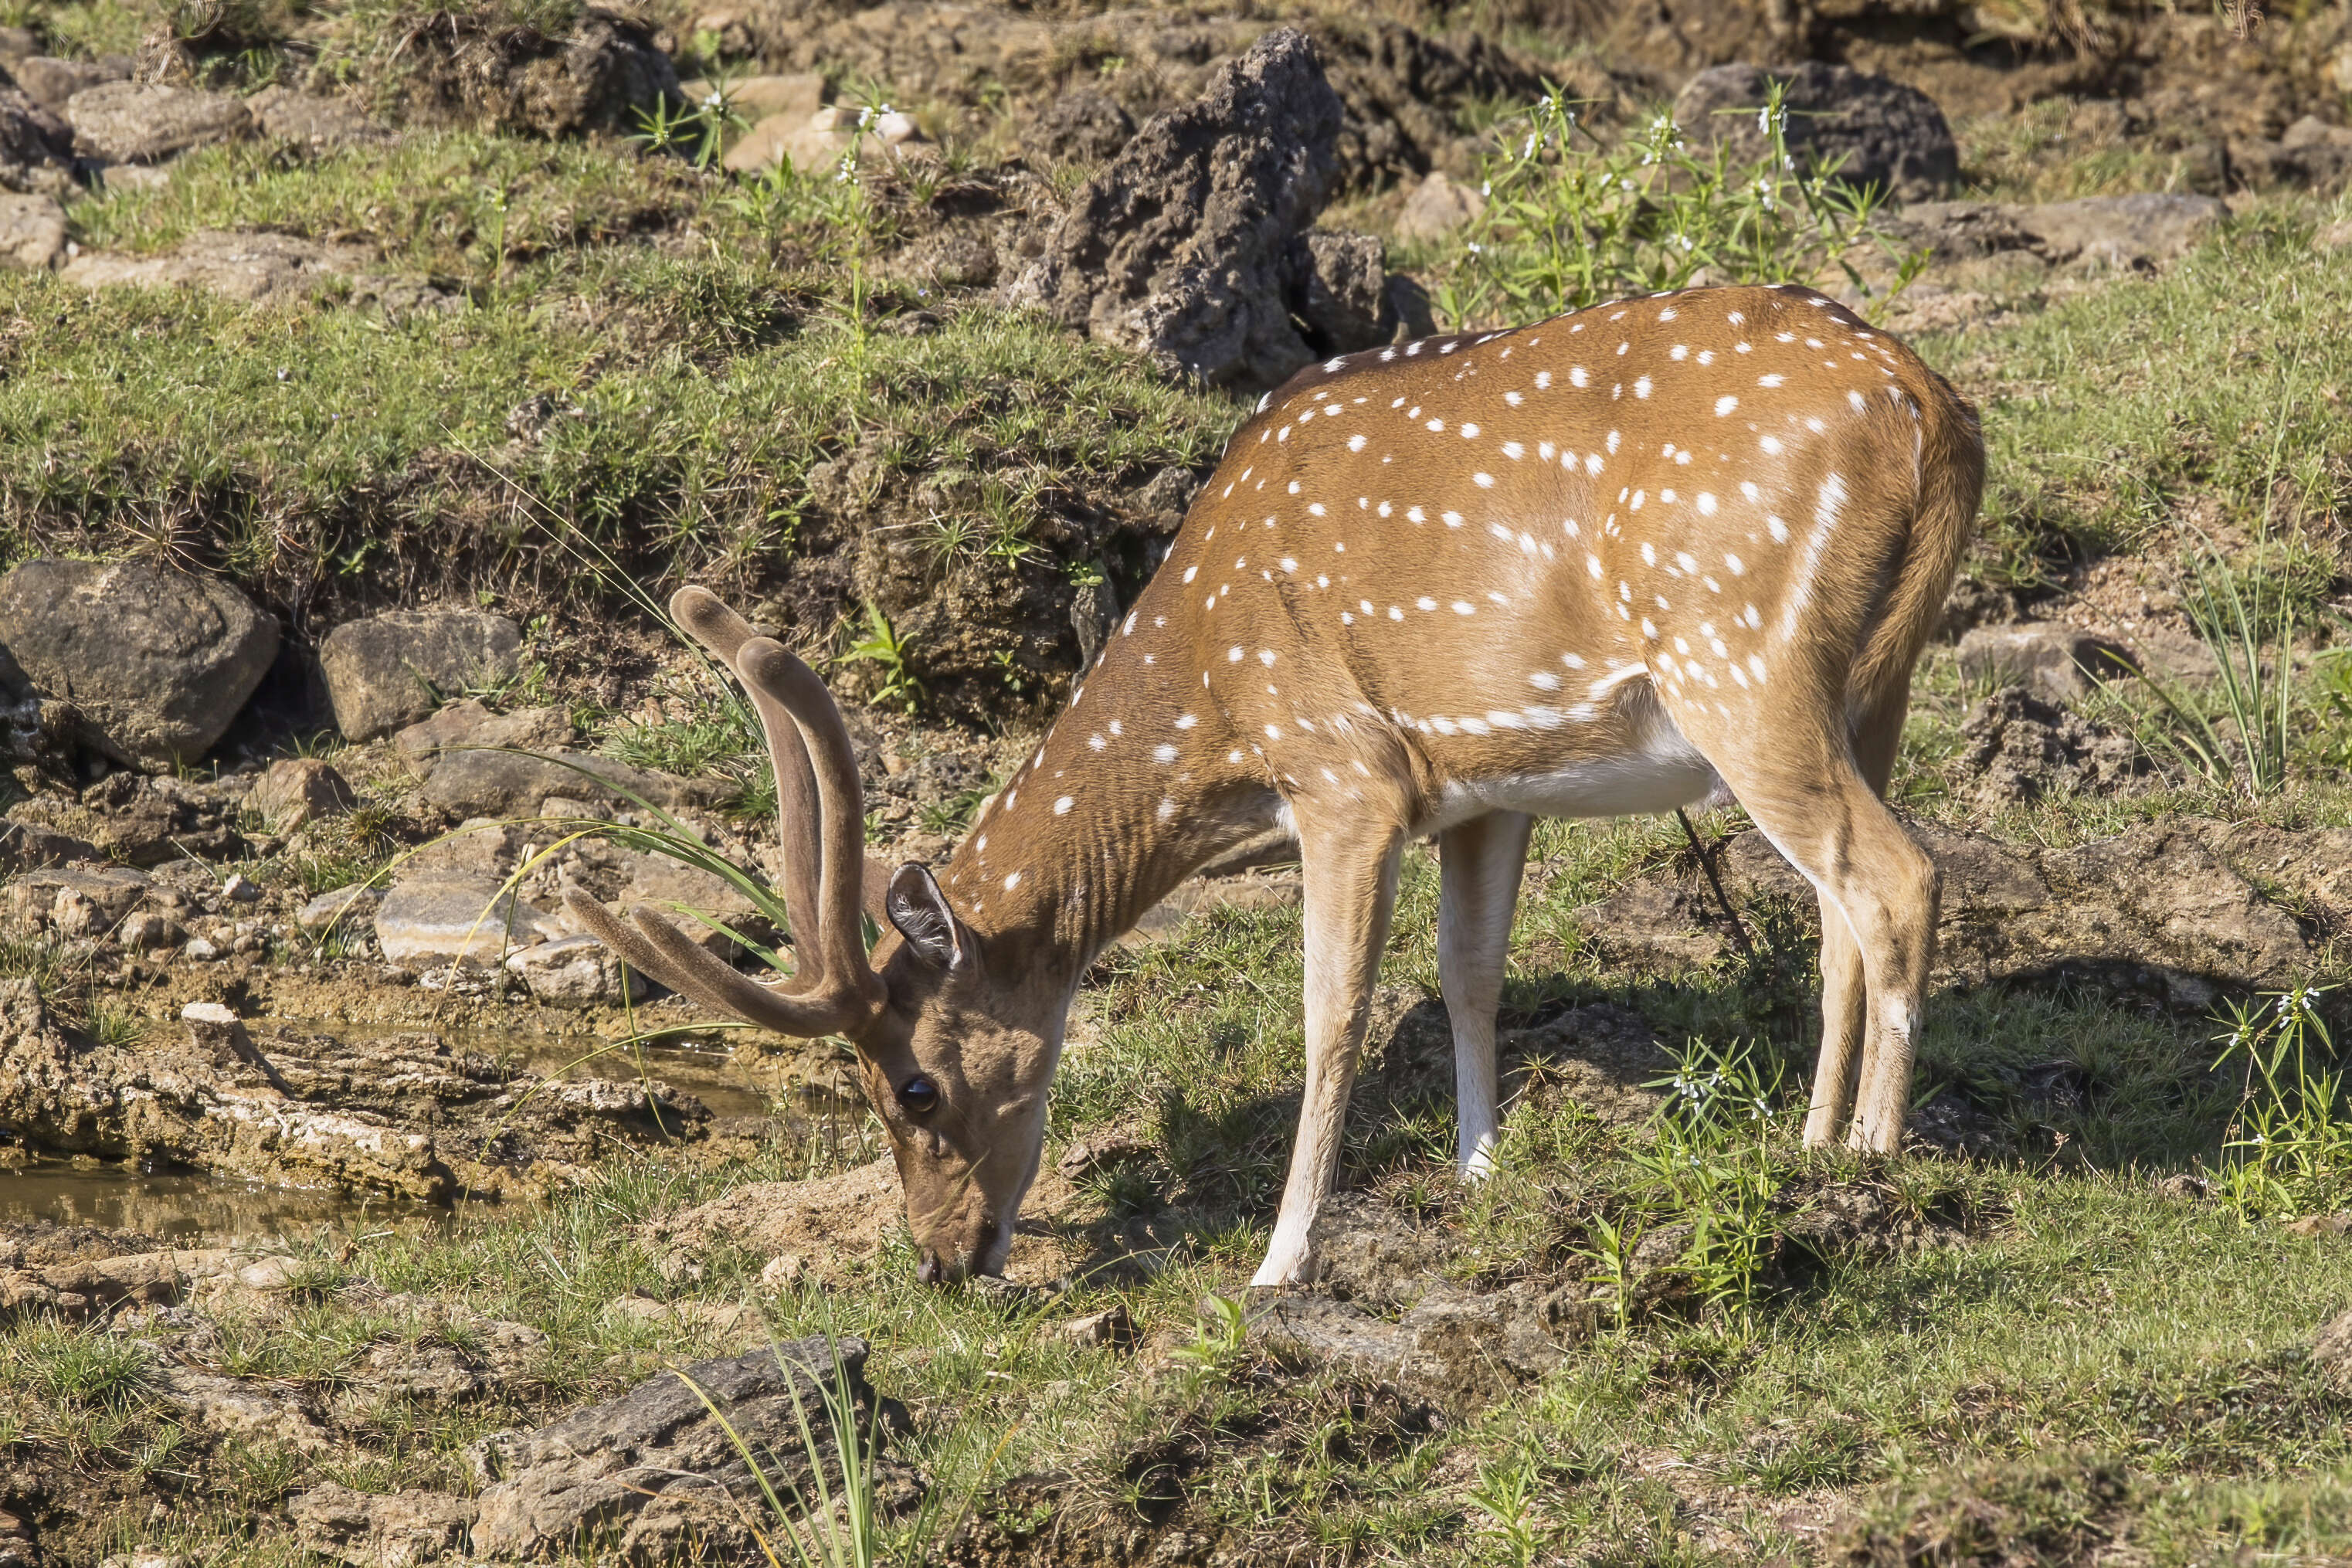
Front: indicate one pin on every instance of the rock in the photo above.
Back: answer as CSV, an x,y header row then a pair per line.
x,y
2024,749
156,663
379,1532
1878,132
784,1272
1343,298
28,845
2055,662
113,892
390,671
32,232
731,1321
35,145
652,1474
241,888
2336,235
2124,231
1455,1346
502,784
468,723
576,971
322,124
1082,126
756,97
145,123
262,270
299,790
350,906
1183,247
2134,231
1438,206
52,82
2331,1350
598,79
820,140
429,923
141,821
1109,1329
234,1408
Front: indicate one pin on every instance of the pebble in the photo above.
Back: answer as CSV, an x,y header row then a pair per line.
x,y
200,950
241,888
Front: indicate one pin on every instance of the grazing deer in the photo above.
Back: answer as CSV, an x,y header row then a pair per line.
x,y
1621,560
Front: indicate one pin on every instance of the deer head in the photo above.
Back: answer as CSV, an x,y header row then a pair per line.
x,y
955,1050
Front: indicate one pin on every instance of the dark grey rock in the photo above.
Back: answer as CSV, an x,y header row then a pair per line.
x,y
1184,248
145,123
391,671
156,662
597,79
1343,299
648,1475
1081,126
36,151
138,821
1876,130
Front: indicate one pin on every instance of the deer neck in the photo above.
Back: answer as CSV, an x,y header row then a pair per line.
x,y
1137,785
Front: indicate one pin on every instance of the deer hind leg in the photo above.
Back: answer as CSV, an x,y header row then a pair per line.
x,y
1813,802
1479,864
1844,990
1351,892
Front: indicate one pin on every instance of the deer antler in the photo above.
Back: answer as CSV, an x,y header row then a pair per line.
x,y
821,821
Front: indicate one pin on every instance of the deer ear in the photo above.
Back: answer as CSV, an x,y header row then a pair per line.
x,y
919,911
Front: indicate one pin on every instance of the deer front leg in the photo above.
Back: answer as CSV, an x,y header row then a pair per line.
x,y
1478,879
1350,892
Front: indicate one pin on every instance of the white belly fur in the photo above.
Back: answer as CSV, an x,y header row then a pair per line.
x,y
1660,771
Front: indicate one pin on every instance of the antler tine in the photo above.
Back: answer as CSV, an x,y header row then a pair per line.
x,y
767,667
653,946
724,633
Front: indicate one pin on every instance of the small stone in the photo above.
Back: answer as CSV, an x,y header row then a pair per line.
x,y
1438,206
344,906
32,232
148,932
784,1272
241,888
2055,662
1112,1328
575,972
2336,235
299,790
200,950
2319,1225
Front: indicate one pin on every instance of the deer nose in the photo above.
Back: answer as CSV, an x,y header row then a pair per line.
x,y
929,1271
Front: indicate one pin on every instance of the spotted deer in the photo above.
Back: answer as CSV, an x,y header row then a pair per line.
x,y
1664,551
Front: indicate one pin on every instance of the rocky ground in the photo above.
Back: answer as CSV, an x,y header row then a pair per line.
x,y
370,373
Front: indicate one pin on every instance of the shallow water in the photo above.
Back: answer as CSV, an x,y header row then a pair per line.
x,y
186,1209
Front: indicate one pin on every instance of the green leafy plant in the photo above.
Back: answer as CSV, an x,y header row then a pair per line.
x,y
1505,1494
828,1525
891,652
2288,1149
2238,739
696,132
1571,221
1220,1339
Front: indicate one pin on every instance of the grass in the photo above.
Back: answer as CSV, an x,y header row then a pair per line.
x,y
2044,1353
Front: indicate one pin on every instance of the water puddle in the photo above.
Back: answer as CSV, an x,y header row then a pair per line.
x,y
188,1209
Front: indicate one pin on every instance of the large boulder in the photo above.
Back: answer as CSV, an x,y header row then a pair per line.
x,y
145,123
1877,130
388,671
52,82
467,783
449,920
1186,247
155,661
662,1471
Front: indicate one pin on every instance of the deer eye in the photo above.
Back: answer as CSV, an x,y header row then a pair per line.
x,y
919,1095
